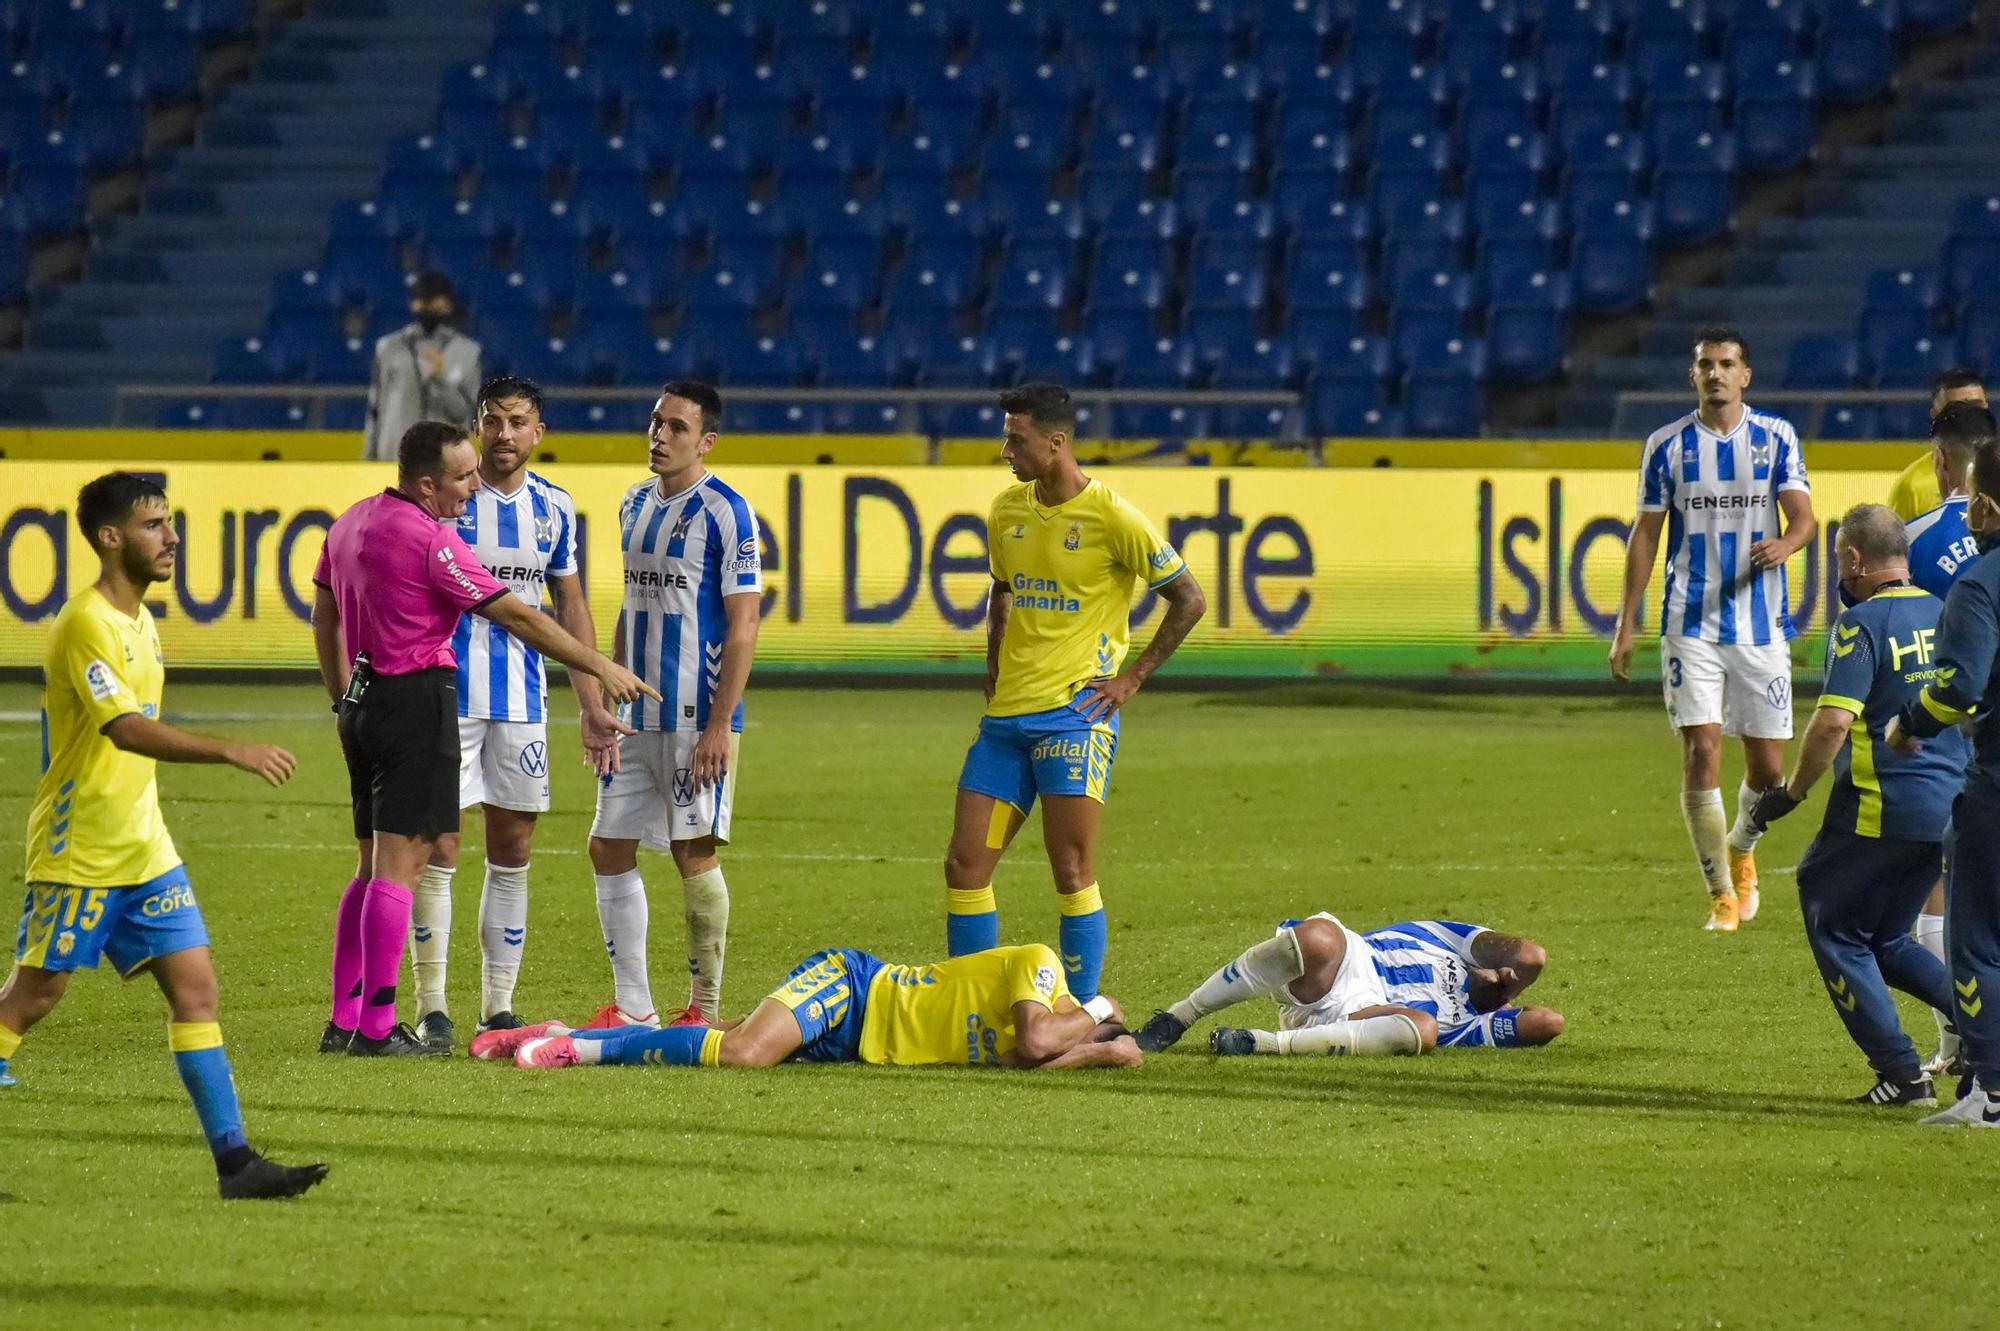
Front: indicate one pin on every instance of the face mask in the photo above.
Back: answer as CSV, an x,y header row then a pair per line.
x,y
430,321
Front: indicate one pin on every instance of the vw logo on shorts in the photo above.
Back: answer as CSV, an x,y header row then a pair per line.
x,y
683,787
535,759
1779,691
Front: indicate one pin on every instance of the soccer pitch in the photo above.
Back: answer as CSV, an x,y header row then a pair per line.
x,y
1681,1157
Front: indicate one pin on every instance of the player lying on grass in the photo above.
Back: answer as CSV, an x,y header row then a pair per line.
x,y
1401,989
1007,1007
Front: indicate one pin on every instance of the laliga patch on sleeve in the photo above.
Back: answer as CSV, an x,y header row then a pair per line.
x,y
103,685
1045,981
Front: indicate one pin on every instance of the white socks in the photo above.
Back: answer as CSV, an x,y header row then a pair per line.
x,y
621,913
1263,969
503,931
707,897
1743,837
430,936
1390,1033
1701,810
1929,933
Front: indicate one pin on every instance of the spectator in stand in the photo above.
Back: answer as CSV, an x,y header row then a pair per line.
x,y
424,371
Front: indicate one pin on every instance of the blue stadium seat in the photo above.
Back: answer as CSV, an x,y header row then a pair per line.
x,y
1525,342
253,360
1856,63
1343,404
1118,286
1504,262
963,420
1485,114
1858,420
1692,203
1546,289
965,361
1109,146
1380,58
1774,133
1154,420
763,361
762,417
1256,361
1442,404
1932,16
1244,420
932,288
1579,119
1313,282
1610,272
1914,362
1904,420
1881,329
45,196
1146,362
870,418
1912,289
1034,275
1824,360
1979,341
166,65
618,416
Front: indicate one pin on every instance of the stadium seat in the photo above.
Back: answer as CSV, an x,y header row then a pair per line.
x,y
1856,63
1610,272
1048,356
1826,361
1442,404
1979,341
1904,290
1153,420
1774,133
1914,362
1692,204
1525,342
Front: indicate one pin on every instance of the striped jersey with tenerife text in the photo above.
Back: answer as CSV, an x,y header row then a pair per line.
x,y
684,553
523,539
1720,495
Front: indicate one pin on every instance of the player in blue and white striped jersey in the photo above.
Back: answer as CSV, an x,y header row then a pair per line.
x,y
1401,989
524,530
693,593
1729,485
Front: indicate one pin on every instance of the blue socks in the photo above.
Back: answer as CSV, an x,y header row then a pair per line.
x,y
1082,934
971,922
638,1046
204,1070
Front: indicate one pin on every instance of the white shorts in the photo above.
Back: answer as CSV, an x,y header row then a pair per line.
x,y
1357,986
1747,690
503,763
653,798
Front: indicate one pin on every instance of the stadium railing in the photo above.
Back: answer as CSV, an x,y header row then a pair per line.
x,y
1812,411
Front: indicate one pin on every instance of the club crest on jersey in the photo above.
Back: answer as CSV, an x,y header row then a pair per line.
x,y
683,787
65,943
1020,530
1075,537
681,524
545,531
1760,452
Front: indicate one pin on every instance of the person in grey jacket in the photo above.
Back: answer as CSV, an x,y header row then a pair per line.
x,y
424,371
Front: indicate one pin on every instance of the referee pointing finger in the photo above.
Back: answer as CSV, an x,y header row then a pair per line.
x,y
391,583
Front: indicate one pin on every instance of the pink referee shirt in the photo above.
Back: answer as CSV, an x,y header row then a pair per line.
x,y
401,579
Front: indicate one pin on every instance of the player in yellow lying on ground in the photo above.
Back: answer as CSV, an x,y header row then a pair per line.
x,y
1007,1007
103,877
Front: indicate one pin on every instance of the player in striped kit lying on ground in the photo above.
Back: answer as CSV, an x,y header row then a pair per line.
x,y
1401,989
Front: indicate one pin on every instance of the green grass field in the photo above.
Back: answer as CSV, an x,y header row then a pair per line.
x,y
1682,1157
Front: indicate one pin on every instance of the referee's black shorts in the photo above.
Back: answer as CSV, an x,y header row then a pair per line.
x,y
401,744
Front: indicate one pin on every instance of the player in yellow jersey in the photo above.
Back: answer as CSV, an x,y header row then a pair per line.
x,y
104,879
1067,557
1915,491
1007,1007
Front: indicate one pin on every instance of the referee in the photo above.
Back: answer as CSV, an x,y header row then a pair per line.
x,y
1968,675
390,586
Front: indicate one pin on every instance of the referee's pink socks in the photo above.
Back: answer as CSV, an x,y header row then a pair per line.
x,y
347,956
385,928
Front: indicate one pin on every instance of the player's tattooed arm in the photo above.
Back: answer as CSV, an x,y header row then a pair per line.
x,y
999,602
1185,607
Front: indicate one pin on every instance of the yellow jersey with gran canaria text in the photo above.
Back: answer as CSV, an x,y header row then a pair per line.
x,y
96,817
957,1011
1072,571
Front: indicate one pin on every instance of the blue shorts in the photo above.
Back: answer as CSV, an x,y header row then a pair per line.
x,y
828,996
1057,752
66,928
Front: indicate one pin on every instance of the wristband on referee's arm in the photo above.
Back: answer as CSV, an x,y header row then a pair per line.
x,y
1099,1008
